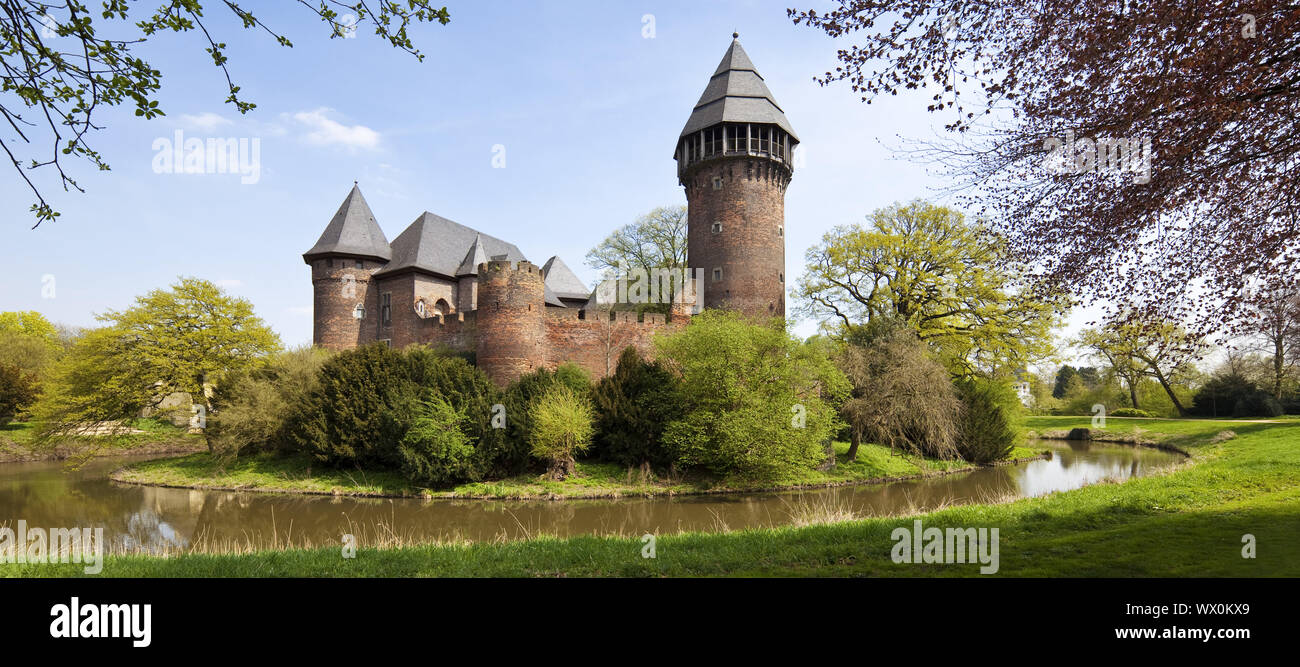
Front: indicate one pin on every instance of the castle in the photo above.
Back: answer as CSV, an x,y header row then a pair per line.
x,y
442,283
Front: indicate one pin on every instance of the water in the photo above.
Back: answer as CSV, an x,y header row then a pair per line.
x,y
135,517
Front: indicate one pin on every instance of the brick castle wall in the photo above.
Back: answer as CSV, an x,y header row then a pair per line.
x,y
338,286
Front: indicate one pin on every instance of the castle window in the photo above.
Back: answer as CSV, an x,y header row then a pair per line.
x,y
781,276
717,227
330,262
717,182
359,312
735,141
386,308
717,274
361,264
780,230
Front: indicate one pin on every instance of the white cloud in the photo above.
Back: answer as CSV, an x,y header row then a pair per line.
x,y
206,121
324,131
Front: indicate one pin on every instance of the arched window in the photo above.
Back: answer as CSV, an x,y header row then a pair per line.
x,y
441,307
359,312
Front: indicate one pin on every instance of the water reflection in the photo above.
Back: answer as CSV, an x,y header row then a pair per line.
x,y
154,519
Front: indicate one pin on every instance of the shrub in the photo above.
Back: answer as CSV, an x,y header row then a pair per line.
x,y
436,449
511,451
1235,396
561,427
1130,412
251,409
17,391
753,397
902,397
989,422
633,405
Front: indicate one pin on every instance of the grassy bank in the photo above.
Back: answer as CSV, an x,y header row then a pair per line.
x,y
1189,522
148,437
298,474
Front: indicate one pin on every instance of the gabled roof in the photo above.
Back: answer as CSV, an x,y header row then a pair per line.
x,y
352,231
437,245
562,281
736,94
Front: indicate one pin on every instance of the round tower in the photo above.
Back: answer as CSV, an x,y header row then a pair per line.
x,y
510,316
345,310
735,158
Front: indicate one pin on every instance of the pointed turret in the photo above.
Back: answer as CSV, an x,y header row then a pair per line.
x,y
476,255
352,232
737,94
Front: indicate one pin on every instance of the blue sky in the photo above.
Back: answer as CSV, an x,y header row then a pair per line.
x,y
586,107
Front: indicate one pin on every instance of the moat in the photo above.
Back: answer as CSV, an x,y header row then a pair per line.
x,y
149,518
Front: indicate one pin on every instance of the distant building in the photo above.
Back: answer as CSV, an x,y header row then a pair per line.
x,y
441,282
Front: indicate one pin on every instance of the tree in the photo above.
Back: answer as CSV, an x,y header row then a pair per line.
x,y
62,61
1135,349
633,405
902,398
180,339
31,324
1063,378
1203,95
946,278
1276,325
758,403
17,391
562,428
656,240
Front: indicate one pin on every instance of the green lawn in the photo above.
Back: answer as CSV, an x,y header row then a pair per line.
x,y
1188,522
265,472
17,442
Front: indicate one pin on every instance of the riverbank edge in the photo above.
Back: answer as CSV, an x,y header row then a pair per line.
x,y
1121,440
117,477
61,453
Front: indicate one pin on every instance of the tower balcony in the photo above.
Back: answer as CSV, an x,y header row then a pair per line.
x,y
725,140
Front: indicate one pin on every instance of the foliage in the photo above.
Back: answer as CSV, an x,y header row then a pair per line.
x,y
902,397
990,420
512,452
1130,412
251,409
561,428
633,405
175,340
1235,396
757,403
1200,81
656,240
17,391
948,279
1136,348
63,61
31,324
436,450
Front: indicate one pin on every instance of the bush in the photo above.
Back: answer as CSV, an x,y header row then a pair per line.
x,y
754,405
989,422
368,399
561,427
1130,412
17,391
436,450
1232,395
251,409
511,451
633,405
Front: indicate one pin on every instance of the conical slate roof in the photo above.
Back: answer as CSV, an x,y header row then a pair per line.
x,y
562,281
736,94
476,255
437,245
352,231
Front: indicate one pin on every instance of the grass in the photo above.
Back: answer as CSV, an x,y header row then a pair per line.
x,y
298,474
1187,522
18,442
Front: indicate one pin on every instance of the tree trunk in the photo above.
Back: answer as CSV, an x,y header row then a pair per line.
x,y
854,441
1132,393
1279,367
1182,412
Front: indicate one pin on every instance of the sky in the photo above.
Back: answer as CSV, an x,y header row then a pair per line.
x,y
581,102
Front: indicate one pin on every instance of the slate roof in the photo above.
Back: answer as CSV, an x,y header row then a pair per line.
x,y
562,281
437,245
352,231
736,94
476,255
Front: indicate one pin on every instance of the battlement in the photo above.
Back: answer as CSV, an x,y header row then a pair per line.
x,y
487,268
